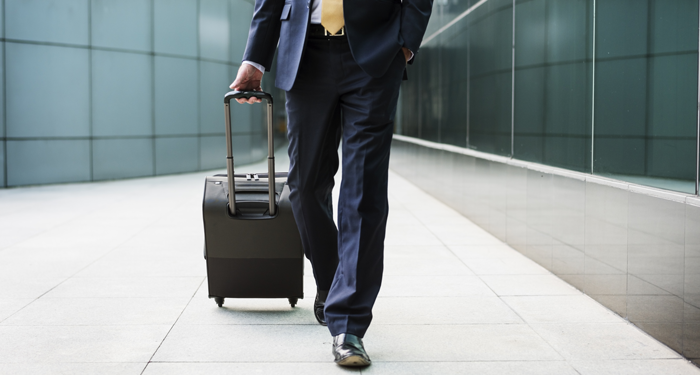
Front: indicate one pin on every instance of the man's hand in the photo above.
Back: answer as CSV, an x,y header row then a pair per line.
x,y
248,79
406,53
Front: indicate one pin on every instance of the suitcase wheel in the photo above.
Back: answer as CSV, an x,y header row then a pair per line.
x,y
293,301
219,301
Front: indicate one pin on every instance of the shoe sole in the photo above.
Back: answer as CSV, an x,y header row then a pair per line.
x,y
353,361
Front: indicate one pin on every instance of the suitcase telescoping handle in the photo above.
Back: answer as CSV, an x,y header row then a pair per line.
x,y
270,147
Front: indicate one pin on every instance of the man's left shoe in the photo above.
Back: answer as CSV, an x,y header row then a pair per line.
x,y
349,351
319,304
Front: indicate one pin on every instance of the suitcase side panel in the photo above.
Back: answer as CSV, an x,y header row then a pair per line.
x,y
255,278
233,237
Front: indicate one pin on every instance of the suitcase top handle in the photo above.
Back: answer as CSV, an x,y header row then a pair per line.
x,y
270,148
247,95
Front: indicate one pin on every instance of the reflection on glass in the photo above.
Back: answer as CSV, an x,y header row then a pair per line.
x,y
646,92
490,76
553,82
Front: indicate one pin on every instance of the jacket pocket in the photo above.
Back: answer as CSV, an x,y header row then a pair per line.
x,y
286,11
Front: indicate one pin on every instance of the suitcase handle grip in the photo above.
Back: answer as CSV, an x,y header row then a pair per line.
x,y
270,148
247,95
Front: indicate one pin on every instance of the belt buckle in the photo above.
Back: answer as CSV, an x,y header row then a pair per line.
x,y
328,33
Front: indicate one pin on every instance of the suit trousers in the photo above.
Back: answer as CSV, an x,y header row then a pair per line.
x,y
333,99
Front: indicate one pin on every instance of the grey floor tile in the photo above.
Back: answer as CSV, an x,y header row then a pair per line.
x,y
639,367
11,306
480,368
120,263
433,286
528,285
241,311
246,343
561,309
510,265
99,312
429,264
443,311
457,238
27,288
79,343
492,342
411,238
450,217
72,368
157,287
598,341
484,251
417,251
47,262
454,225
293,368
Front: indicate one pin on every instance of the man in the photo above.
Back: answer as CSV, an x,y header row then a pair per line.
x,y
341,64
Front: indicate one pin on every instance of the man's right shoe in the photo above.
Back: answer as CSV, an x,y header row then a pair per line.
x,y
349,351
319,304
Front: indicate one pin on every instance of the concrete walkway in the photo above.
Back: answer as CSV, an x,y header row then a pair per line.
x,y
109,278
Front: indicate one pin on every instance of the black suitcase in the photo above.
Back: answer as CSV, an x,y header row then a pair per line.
x,y
251,242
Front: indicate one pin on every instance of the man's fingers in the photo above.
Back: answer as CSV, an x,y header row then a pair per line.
x,y
248,79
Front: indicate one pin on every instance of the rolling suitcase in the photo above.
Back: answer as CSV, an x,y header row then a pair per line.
x,y
251,241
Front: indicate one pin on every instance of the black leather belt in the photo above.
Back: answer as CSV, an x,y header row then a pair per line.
x,y
318,31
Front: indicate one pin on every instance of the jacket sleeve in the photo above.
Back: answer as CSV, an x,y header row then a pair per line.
x,y
414,20
264,32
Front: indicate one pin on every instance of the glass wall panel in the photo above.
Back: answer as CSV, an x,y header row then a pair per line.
x,y
553,82
122,98
124,24
241,14
454,85
176,89
122,158
646,92
37,161
430,98
175,27
57,21
62,75
214,29
490,74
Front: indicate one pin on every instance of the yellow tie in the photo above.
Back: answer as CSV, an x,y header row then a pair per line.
x,y
332,15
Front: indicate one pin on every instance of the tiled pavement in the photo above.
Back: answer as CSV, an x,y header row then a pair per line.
x,y
108,278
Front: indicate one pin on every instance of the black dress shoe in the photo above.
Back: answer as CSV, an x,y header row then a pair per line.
x,y
349,351
319,304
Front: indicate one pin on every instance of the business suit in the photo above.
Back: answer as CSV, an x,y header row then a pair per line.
x,y
340,88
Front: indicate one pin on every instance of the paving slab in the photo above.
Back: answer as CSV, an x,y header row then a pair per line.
x,y
157,287
291,368
602,341
476,367
639,367
51,344
99,312
246,343
528,285
71,368
560,309
11,306
450,343
443,311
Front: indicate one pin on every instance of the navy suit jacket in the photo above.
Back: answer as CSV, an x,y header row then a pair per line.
x,y
376,31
